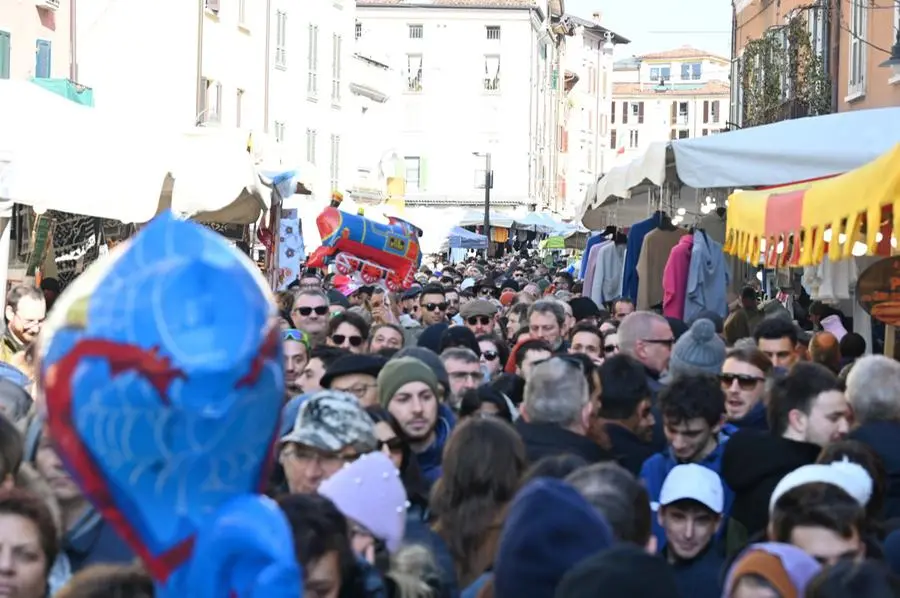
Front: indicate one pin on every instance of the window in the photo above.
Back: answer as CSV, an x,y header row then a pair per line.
x,y
414,72
311,146
635,109
736,109
358,30
335,161
312,63
612,139
492,32
492,72
413,172
691,71
815,24
624,113
416,32
612,113
5,53
209,108
633,138
682,113
336,69
856,83
704,132
714,111
212,6
217,116
683,133
242,12
660,72
238,107
279,131
592,80
202,101
42,59
281,40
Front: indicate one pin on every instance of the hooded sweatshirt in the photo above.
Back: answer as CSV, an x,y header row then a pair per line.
x,y
707,283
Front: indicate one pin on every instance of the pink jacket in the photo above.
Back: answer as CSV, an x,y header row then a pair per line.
x,y
675,278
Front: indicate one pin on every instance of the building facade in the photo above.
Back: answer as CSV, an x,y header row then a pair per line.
x,y
795,58
478,79
588,61
35,38
675,94
311,51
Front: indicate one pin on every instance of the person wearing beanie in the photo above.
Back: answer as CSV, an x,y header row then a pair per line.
x,y
623,571
549,528
409,390
585,310
785,568
699,350
370,494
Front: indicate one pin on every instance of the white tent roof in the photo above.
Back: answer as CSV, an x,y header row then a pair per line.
x,y
650,167
476,218
787,151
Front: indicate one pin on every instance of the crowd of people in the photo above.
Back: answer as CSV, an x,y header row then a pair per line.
x,y
490,432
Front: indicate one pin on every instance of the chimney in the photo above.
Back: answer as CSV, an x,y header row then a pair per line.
x,y
596,16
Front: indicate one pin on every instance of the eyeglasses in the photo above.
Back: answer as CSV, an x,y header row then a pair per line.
x,y
320,310
744,381
610,348
489,355
394,445
668,342
435,306
292,334
483,320
486,291
355,341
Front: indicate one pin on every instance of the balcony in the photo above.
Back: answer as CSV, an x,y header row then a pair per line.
x,y
373,79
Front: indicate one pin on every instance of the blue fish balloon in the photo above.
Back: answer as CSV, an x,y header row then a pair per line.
x,y
163,377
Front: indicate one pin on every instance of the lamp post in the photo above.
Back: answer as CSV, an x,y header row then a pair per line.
x,y
894,61
488,183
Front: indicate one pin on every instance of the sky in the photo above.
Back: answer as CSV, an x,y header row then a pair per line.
x,y
655,25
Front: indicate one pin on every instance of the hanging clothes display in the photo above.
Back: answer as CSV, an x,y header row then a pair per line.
x,y
655,251
588,276
740,272
607,283
830,281
633,253
707,278
594,240
675,278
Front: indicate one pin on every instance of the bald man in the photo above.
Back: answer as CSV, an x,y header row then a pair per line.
x,y
825,349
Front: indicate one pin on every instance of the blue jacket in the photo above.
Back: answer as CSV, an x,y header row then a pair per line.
x,y
429,460
707,284
754,420
633,252
654,473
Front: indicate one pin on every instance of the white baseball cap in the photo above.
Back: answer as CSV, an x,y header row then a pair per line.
x,y
693,482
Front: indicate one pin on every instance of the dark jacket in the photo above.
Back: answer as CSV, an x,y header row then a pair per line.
x,y
700,577
550,440
881,437
628,450
752,465
754,420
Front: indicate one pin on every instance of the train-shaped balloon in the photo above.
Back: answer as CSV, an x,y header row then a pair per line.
x,y
386,253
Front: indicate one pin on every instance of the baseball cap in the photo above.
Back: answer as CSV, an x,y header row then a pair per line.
x,y
330,421
850,477
693,482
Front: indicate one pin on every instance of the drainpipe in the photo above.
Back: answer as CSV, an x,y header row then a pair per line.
x,y
200,100
531,116
73,41
268,66
834,30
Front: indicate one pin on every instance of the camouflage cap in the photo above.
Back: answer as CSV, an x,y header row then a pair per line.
x,y
331,421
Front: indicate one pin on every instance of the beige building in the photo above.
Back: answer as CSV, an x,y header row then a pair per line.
x,y
35,39
674,94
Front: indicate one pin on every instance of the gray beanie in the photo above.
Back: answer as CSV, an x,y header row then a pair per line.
x,y
699,350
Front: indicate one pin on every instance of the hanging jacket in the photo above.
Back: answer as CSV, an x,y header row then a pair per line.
x,y
707,287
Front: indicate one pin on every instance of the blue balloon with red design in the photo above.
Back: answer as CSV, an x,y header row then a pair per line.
x,y
163,378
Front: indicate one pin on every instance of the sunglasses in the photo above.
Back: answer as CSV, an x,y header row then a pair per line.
x,y
394,445
483,320
292,334
320,310
338,339
489,355
744,381
435,306
486,292
610,348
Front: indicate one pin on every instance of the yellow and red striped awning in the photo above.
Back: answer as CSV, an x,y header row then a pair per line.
x,y
798,215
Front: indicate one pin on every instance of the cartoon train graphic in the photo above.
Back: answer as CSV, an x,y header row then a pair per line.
x,y
386,253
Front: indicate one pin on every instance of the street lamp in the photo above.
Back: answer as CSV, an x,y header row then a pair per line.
x,y
488,183
894,60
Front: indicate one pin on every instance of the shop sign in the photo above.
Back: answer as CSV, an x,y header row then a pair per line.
x,y
878,290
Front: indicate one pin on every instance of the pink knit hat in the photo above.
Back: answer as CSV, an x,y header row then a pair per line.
x,y
369,491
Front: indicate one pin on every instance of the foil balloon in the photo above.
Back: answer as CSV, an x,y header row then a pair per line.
x,y
163,377
388,254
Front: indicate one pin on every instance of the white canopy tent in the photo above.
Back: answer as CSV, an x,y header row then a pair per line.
x,y
476,218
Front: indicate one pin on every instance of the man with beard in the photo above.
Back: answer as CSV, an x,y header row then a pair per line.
x,y
25,313
410,391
